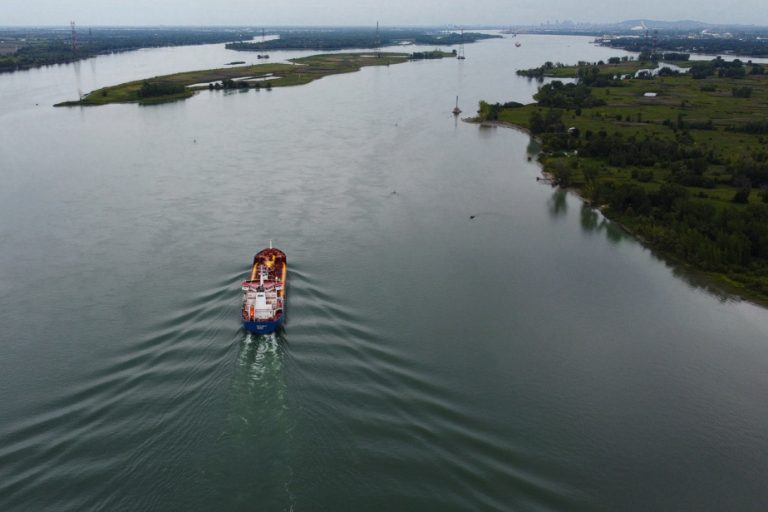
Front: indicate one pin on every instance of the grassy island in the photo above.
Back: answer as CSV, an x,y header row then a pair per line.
x,y
348,38
183,85
679,158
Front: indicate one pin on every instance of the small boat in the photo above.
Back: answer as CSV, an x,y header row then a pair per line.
x,y
518,44
264,293
456,110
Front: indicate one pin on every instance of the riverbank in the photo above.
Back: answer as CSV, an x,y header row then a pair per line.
x,y
750,45
716,282
678,159
24,48
177,86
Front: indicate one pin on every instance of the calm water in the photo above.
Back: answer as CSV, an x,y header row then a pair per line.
x,y
532,358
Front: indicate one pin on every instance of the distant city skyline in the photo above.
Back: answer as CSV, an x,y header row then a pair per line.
x,y
367,12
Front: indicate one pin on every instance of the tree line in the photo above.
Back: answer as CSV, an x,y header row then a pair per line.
x,y
41,47
749,45
356,38
155,89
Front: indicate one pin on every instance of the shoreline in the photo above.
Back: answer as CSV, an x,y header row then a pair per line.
x,y
185,84
714,283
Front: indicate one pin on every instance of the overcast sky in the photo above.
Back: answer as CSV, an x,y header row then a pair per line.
x,y
367,12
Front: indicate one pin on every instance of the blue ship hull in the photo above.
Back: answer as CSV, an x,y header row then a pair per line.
x,y
263,327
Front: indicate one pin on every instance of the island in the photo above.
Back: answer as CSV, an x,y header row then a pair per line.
x,y
677,153
161,89
347,38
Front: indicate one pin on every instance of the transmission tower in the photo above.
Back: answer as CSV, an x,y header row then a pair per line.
x,y
377,41
74,36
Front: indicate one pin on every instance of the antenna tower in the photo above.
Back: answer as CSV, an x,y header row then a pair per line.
x,y
74,36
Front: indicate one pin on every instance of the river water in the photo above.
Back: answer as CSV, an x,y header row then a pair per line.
x,y
530,358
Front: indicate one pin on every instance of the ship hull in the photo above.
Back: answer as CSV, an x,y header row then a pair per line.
x,y
262,327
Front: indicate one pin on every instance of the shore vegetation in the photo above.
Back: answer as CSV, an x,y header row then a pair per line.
x,y
30,47
343,39
183,85
679,158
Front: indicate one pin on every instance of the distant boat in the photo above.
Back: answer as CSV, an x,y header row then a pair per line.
x,y
456,110
263,308
518,44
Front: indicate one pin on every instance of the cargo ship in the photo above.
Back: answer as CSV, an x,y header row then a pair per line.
x,y
264,293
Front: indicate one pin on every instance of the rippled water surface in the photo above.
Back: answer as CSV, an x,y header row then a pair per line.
x,y
530,358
